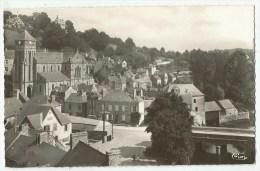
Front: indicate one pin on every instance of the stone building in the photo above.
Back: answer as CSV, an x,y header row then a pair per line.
x,y
40,72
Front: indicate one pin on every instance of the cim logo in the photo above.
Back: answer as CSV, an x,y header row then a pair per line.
x,y
237,156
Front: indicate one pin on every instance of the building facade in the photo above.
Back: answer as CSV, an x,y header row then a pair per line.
x,y
40,72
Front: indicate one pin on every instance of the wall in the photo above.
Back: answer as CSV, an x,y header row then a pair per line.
x,y
234,116
200,114
75,111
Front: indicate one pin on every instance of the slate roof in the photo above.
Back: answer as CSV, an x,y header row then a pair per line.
x,y
9,54
49,57
226,104
53,76
76,98
25,151
39,111
113,78
12,106
83,155
25,36
116,96
185,88
156,77
211,106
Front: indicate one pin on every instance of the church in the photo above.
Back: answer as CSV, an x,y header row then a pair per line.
x,y
40,72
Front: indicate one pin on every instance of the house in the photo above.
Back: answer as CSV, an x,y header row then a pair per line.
x,y
44,117
124,64
85,155
156,80
143,82
118,105
9,61
151,69
163,75
76,104
92,126
227,108
63,92
171,77
193,97
28,151
212,113
142,72
12,109
116,82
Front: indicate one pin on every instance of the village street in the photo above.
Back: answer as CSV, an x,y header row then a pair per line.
x,y
130,141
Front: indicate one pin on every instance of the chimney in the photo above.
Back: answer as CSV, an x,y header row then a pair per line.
x,y
113,158
52,98
79,93
76,137
16,93
134,95
141,92
24,129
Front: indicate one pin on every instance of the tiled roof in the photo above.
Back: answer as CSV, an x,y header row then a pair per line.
x,y
185,88
141,70
49,57
53,76
12,106
226,104
9,54
211,106
25,36
87,88
156,77
76,98
116,96
172,75
83,155
35,120
88,76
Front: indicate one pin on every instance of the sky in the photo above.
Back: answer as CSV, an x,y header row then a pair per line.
x,y
175,28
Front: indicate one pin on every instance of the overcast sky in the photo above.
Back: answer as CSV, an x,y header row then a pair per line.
x,y
175,28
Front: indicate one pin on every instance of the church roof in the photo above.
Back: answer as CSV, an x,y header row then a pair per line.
x,y
25,36
49,57
53,76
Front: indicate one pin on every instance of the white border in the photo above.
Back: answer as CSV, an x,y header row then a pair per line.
x,y
106,3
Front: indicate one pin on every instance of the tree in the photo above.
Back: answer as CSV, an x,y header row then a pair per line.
x,y
69,27
135,118
7,14
169,122
220,94
130,44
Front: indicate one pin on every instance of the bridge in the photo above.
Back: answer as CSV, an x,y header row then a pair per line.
x,y
220,137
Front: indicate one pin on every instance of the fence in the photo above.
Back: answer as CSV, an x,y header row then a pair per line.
x,y
232,117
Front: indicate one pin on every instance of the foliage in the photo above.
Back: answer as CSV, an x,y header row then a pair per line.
x,y
135,118
169,121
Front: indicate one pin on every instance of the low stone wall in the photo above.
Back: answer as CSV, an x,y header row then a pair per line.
x,y
232,117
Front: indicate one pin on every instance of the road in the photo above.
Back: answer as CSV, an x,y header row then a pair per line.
x,y
130,141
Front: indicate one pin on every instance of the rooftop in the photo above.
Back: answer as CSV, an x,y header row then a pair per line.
x,y
185,88
116,96
53,76
211,106
12,106
77,98
226,104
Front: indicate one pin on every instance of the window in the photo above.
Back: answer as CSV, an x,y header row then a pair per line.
x,y
194,100
69,106
109,107
117,108
110,117
43,68
196,109
47,128
51,68
52,86
65,68
103,107
65,127
40,88
6,68
79,107
123,108
54,127
123,118
58,68
134,108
